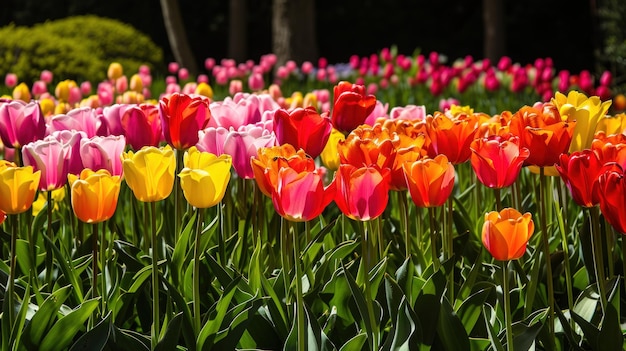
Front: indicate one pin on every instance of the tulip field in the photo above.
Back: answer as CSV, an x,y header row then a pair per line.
x,y
390,203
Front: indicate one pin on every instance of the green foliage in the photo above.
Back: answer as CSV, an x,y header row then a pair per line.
x,y
78,48
613,55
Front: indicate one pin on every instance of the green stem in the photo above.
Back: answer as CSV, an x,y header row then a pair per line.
x,y
299,298
11,282
156,325
496,192
103,265
368,286
196,273
433,239
178,195
49,233
404,222
221,245
284,253
449,249
609,249
598,260
565,245
546,248
507,305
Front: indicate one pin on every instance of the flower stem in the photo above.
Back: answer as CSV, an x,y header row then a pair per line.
x,y
562,215
496,192
507,305
156,326
433,239
368,286
11,282
546,248
49,233
299,298
598,260
404,222
221,245
103,260
449,253
196,273
178,196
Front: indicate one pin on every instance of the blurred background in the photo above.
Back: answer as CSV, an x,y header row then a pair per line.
x,y
576,34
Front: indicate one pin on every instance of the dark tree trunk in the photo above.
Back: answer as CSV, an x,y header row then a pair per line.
x,y
293,30
237,30
494,45
177,36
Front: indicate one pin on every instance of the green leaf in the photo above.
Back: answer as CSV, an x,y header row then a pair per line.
x,y
450,330
359,298
525,333
589,330
355,344
489,316
140,278
64,330
68,272
43,319
406,328
22,250
16,333
212,326
128,340
181,250
610,336
470,309
97,338
427,306
169,341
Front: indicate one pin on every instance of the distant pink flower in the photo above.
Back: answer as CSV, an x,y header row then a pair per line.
x,y
255,82
74,95
606,78
103,153
10,80
291,65
183,74
173,67
445,104
21,123
563,82
307,67
235,86
46,76
189,88
408,112
144,69
121,84
203,78
172,88
39,87
209,63
380,110
85,88
282,72
105,93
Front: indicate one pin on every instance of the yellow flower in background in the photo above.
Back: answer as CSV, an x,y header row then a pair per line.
x,y
21,92
150,172
62,90
295,100
47,106
115,71
330,155
205,90
136,84
18,186
205,177
310,99
456,110
57,196
94,195
612,124
587,113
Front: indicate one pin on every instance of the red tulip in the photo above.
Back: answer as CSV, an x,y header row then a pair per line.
x,y
612,195
497,161
182,116
351,106
580,171
303,128
300,196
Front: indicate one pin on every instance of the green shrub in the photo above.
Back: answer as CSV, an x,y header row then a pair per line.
x,y
78,48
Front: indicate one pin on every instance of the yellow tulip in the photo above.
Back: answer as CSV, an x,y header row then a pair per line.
x,y
587,113
18,186
150,172
330,155
94,195
205,177
115,71
21,92
612,124
205,90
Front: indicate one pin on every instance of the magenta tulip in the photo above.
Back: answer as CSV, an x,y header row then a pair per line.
x,y
103,153
21,123
83,119
141,125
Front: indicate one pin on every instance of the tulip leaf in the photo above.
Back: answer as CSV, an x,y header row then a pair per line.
x,y
237,320
428,303
181,250
172,334
140,278
356,343
17,332
211,327
361,304
61,334
69,272
525,332
44,318
470,309
97,338
406,328
489,316
22,250
450,330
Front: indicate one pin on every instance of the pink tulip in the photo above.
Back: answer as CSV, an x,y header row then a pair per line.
x,y
105,93
606,78
212,140
75,96
141,125
230,113
71,142
111,117
282,72
202,78
39,87
307,68
445,104
173,67
85,88
144,70
121,84
244,144
81,119
408,112
50,157
235,86
189,88
255,82
46,76
21,123
10,80
183,74
103,153
379,111
209,63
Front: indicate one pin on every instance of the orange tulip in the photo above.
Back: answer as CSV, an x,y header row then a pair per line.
x,y
497,161
451,136
430,181
505,234
301,196
610,148
362,193
94,195
271,159
369,145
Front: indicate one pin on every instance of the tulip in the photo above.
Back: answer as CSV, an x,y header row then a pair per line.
x,y
430,181
270,160
362,193
182,116
71,140
150,172
367,145
610,148
612,193
303,128
506,233
10,80
21,123
50,157
141,125
235,112
115,71
83,119
94,195
18,186
204,178
330,155
244,144
204,89
300,196
452,136
497,161
351,106
586,112
580,171
103,153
